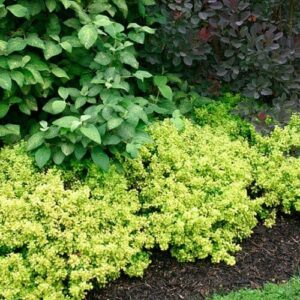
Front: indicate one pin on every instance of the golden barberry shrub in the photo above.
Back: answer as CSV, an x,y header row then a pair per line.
x,y
54,241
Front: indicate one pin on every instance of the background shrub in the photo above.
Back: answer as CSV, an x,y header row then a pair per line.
x,y
252,45
69,76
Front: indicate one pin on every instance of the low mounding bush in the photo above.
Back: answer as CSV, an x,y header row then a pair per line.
x,y
54,242
278,170
218,114
197,191
193,188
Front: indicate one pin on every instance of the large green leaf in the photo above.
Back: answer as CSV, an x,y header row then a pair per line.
x,y
18,77
58,157
67,148
35,141
55,106
126,131
51,49
4,108
59,72
128,58
114,123
63,92
113,29
111,140
91,132
15,45
36,75
17,61
67,46
5,80
80,151
102,21
121,4
51,5
33,40
138,37
37,63
166,91
42,156
88,35
18,10
103,58
160,80
9,129
142,74
100,158
65,122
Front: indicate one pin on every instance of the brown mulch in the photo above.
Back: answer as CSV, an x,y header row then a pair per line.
x,y
270,255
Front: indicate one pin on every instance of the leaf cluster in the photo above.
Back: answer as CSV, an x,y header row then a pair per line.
x,y
195,190
249,45
69,79
55,241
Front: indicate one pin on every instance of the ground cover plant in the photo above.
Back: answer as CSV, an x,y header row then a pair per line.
x,y
289,290
55,242
194,188
63,231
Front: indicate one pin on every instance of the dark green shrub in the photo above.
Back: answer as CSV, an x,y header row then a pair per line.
x,y
69,77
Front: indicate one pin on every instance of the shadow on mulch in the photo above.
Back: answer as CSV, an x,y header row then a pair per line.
x,y
270,255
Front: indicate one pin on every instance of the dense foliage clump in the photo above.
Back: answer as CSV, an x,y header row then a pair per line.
x,y
55,241
193,187
219,114
278,170
69,75
253,46
195,190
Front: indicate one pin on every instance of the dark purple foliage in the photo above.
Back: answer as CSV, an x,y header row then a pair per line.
x,y
241,43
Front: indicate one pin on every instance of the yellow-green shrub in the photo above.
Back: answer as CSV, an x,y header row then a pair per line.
x,y
196,191
218,114
54,241
193,188
278,167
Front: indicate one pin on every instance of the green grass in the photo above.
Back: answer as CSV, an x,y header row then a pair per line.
x,y
287,291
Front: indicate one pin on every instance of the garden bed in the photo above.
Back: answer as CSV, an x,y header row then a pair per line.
x,y
270,255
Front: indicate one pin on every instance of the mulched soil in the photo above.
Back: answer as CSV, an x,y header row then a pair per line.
x,y
270,255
